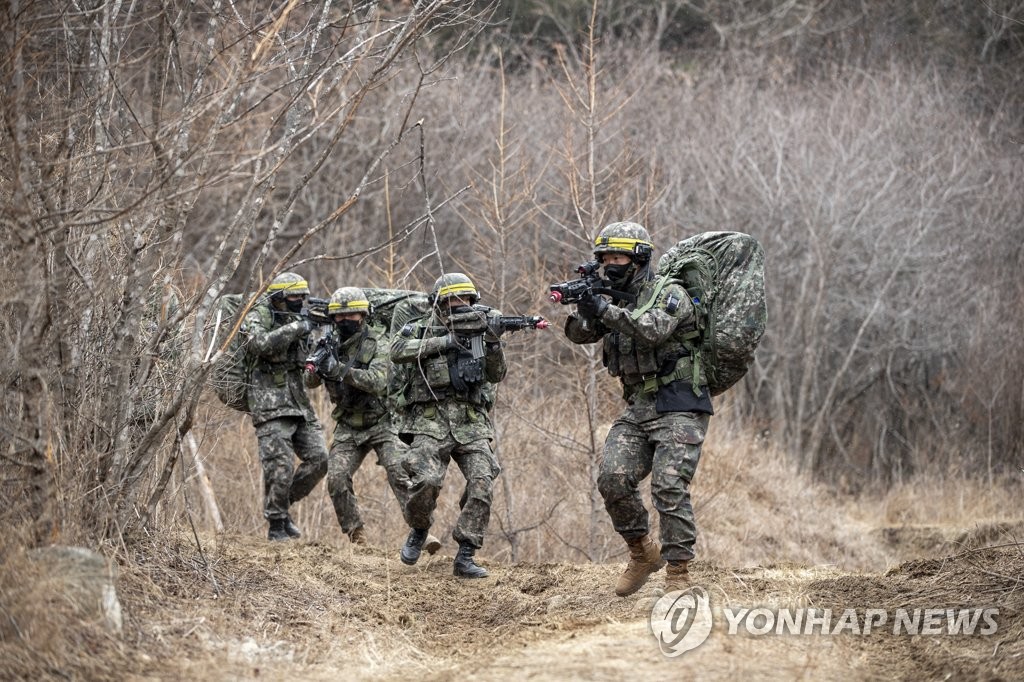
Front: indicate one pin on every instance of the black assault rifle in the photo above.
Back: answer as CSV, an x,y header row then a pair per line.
x,y
496,326
573,290
320,352
316,310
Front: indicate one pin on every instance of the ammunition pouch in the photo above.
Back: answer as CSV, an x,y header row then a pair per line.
x,y
278,371
436,371
360,420
673,385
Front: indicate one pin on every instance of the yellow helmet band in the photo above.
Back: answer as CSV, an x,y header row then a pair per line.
x,y
287,286
456,290
621,243
350,307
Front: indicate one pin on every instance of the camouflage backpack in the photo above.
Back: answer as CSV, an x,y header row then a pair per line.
x,y
230,375
723,272
391,309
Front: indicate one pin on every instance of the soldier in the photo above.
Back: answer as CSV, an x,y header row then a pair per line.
x,y
355,370
661,431
286,425
453,360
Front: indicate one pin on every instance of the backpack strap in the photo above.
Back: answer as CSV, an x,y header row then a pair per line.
x,y
690,340
659,284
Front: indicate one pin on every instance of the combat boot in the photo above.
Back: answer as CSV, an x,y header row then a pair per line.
x,y
278,530
358,536
644,559
677,577
465,567
290,528
432,545
410,553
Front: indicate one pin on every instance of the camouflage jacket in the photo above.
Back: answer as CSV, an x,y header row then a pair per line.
x,y
359,394
277,345
432,399
639,351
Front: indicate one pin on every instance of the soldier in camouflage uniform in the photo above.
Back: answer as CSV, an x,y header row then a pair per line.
x,y
286,425
355,371
661,431
453,360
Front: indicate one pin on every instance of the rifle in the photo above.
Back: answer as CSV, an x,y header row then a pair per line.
x,y
496,326
316,310
513,323
320,352
589,281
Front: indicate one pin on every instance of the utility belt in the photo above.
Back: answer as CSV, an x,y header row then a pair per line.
x,y
685,366
277,370
677,390
272,367
360,420
474,412
423,395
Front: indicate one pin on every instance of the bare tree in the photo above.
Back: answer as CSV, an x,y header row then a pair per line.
x,y
122,122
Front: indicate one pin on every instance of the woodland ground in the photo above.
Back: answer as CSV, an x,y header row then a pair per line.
x,y
232,606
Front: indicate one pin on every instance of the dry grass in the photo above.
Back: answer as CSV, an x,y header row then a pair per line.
x,y
753,506
46,631
241,608
234,606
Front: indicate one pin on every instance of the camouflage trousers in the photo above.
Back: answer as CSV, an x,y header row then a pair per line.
x,y
426,462
280,441
667,448
348,450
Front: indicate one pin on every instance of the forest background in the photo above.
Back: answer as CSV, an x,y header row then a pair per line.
x,y
157,155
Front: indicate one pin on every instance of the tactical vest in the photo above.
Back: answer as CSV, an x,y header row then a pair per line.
x,y
352,406
294,356
431,380
644,368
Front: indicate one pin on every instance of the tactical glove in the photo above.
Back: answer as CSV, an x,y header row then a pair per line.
x,y
329,368
494,329
591,306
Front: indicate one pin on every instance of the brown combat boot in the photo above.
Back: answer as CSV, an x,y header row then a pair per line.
x,y
644,559
358,536
677,577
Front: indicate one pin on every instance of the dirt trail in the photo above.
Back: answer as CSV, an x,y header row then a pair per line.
x,y
245,609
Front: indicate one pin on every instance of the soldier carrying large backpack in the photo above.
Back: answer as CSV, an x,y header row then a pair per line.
x,y
276,338
351,361
656,342
454,357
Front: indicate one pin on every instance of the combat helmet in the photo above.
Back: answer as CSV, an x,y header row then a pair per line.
x,y
454,284
287,284
630,239
348,300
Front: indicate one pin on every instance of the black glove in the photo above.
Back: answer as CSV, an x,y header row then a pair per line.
x,y
455,341
591,306
329,368
494,329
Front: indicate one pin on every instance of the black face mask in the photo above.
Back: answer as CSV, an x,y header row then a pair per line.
x,y
618,274
294,306
346,328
